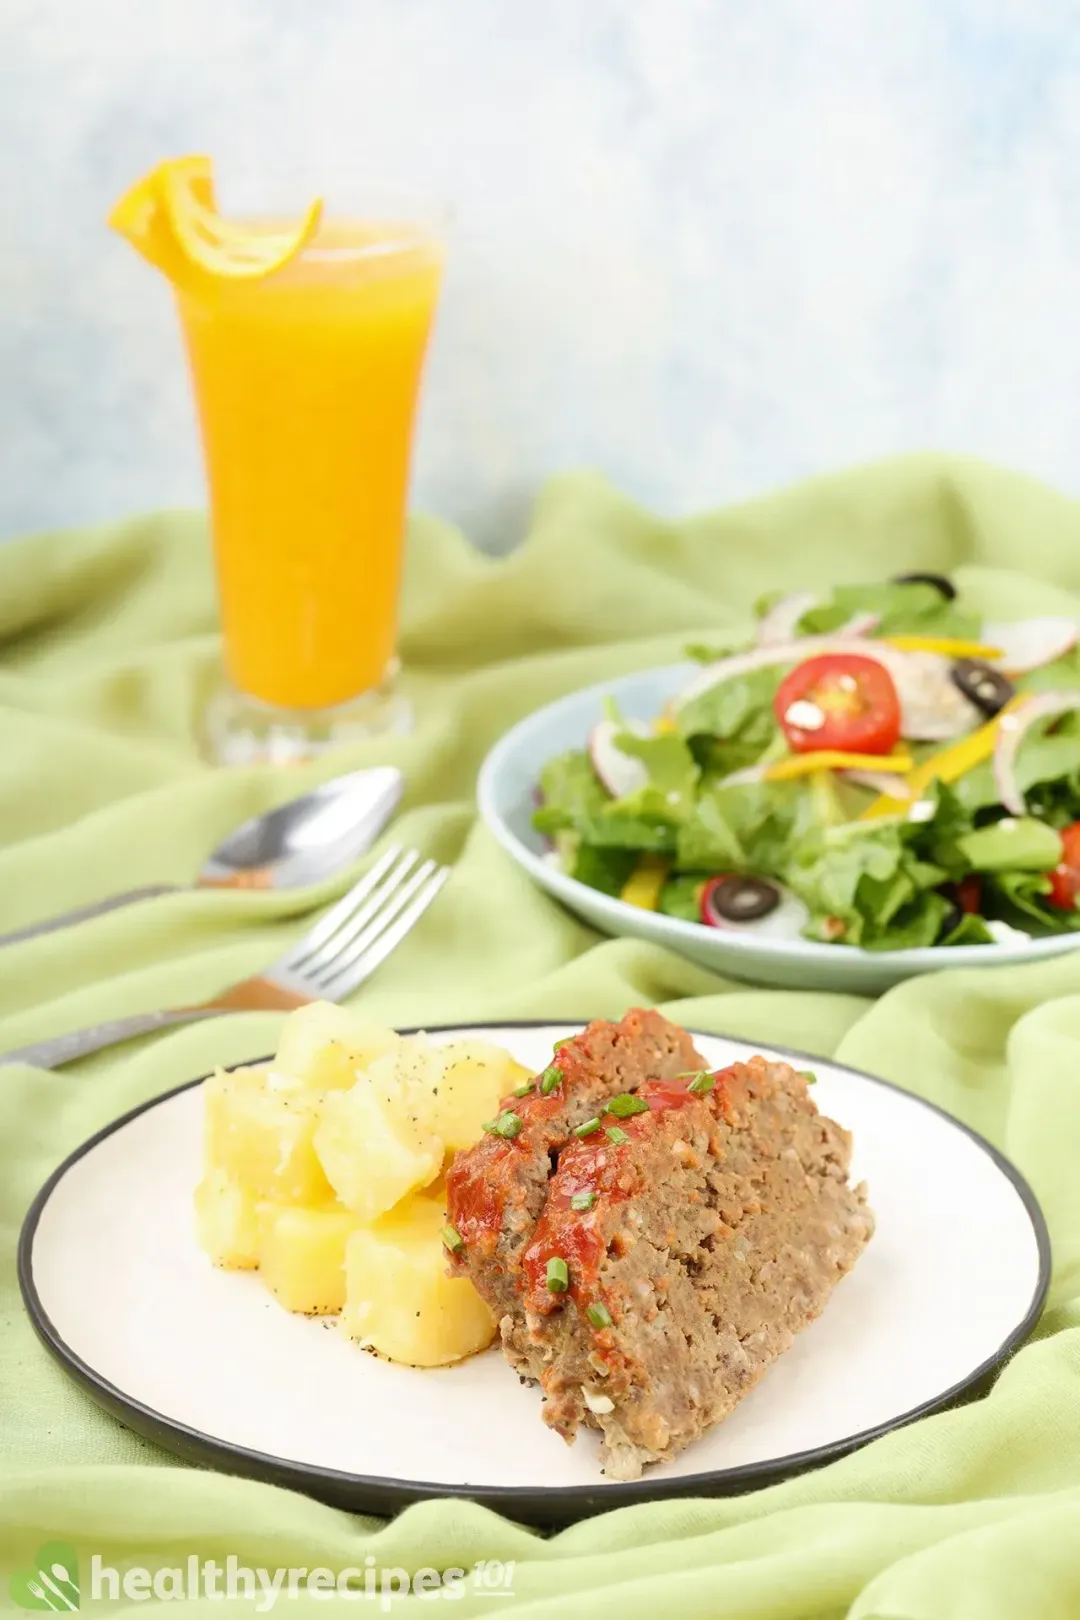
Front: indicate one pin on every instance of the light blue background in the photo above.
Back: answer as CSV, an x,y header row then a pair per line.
x,y
705,245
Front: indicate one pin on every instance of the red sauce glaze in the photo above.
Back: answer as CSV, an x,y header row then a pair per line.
x,y
595,1164
480,1180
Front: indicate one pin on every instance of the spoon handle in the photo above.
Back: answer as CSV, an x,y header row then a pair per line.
x,y
64,919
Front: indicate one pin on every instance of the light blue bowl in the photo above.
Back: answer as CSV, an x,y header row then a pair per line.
x,y
506,791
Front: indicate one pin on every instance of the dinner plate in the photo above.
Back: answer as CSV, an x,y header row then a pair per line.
x,y
208,1365
507,797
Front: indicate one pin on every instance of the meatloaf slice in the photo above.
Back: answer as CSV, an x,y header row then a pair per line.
x,y
496,1190
680,1250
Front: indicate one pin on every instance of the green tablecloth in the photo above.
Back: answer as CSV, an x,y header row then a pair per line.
x,y
107,650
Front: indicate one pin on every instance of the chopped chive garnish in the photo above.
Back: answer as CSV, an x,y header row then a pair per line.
x,y
452,1239
614,1134
599,1316
702,1084
808,1075
589,1126
558,1275
625,1105
507,1125
551,1077
584,1200
523,1091
690,1074
564,1042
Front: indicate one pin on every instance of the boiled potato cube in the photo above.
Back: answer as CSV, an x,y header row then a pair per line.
x,y
323,1046
373,1155
407,1080
449,1090
226,1222
302,1255
476,1076
399,1300
260,1131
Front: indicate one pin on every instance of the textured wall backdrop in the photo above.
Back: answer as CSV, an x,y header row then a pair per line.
x,y
704,245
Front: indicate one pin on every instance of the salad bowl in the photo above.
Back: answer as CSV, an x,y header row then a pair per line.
x,y
583,725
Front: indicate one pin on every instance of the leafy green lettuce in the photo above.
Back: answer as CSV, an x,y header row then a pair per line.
x,y
913,610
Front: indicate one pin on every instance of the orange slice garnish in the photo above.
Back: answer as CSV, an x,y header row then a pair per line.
x,y
171,218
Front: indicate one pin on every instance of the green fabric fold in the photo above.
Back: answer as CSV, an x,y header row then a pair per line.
x,y
108,648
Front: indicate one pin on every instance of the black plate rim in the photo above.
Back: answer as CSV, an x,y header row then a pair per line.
x,y
544,1506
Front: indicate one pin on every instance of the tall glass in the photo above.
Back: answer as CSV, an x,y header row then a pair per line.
x,y
306,386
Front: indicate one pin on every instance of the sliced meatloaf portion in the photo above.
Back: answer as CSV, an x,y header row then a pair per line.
x,y
680,1250
496,1190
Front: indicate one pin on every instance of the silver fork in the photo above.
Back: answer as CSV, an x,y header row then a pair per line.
x,y
326,964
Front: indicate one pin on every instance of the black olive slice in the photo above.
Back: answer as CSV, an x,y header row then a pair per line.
x,y
938,581
744,899
982,685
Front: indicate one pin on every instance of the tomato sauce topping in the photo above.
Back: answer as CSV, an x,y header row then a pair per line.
x,y
607,1173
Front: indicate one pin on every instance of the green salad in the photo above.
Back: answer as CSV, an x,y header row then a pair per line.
x,y
879,767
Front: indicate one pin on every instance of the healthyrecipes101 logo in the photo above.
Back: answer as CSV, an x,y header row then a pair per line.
x,y
51,1582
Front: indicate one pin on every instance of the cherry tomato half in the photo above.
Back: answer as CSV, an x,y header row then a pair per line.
x,y
1065,878
840,700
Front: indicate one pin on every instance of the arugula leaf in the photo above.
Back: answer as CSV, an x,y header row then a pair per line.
x,y
863,884
708,842
603,869
1048,762
732,724
1019,897
571,793
915,610
970,930
672,768
1013,844
680,896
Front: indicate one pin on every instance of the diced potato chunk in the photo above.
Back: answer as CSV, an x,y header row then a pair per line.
x,y
407,1081
398,1298
449,1090
261,1133
226,1222
373,1155
323,1046
475,1078
303,1255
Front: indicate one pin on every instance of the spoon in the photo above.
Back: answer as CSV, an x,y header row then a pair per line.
x,y
300,843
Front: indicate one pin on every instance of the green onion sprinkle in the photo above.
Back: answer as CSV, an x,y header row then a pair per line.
x,y
558,1275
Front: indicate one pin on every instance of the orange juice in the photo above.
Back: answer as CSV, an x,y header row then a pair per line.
x,y
306,383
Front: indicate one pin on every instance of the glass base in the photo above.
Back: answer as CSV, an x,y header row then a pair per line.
x,y
241,730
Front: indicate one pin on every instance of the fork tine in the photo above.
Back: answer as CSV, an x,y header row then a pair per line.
x,y
347,979
338,914
379,920
328,955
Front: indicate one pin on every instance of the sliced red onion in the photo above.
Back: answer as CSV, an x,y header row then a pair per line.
x,y
860,624
619,773
1028,644
1012,729
782,619
885,782
933,709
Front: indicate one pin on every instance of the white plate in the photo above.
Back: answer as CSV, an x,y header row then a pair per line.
x,y
205,1363
506,792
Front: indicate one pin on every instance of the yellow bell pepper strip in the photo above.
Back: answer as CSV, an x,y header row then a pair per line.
x,y
947,766
834,759
642,887
945,645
